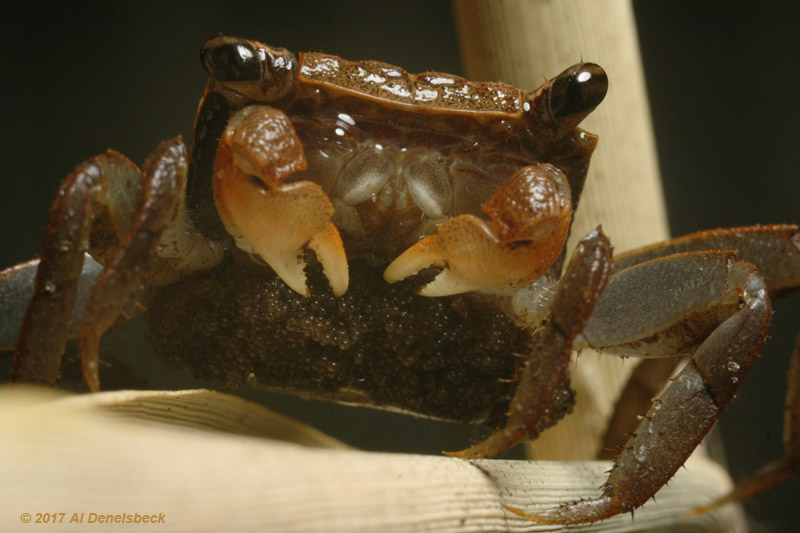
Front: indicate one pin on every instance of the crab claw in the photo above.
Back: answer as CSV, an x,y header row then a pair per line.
x,y
530,215
257,151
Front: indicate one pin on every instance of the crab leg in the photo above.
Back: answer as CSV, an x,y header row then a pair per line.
x,y
544,374
783,469
530,215
644,384
127,237
158,215
258,150
686,411
16,290
774,249
43,334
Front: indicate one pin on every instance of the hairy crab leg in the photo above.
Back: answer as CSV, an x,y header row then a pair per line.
x,y
773,249
257,152
530,215
685,412
783,469
667,306
43,334
644,384
159,209
16,291
546,371
135,226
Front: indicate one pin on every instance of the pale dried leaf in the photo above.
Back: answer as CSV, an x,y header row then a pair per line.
x,y
76,456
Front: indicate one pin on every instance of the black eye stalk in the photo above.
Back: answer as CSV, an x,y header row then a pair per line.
x,y
558,106
229,59
251,69
578,90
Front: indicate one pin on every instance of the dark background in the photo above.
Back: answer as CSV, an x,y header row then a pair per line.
x,y
724,87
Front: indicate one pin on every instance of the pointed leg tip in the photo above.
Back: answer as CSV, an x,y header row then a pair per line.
x,y
703,509
460,454
497,442
579,512
523,514
91,374
543,518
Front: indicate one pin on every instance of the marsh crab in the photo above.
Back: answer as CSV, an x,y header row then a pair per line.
x,y
349,231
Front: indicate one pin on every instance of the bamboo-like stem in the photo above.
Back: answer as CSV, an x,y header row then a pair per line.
x,y
523,42
132,452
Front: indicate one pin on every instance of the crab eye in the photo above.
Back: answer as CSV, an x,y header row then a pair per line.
x,y
231,59
578,90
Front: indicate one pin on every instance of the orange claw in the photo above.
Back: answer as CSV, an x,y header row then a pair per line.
x,y
258,150
530,215
583,282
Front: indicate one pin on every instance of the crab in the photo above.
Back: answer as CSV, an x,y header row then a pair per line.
x,y
350,231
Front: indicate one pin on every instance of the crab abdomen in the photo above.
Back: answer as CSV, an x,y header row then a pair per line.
x,y
377,345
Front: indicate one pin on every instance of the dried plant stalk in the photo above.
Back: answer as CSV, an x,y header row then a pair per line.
x,y
524,41
108,454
